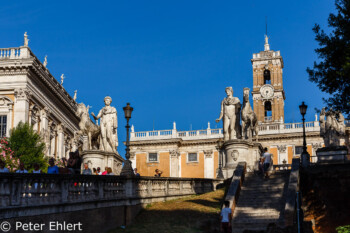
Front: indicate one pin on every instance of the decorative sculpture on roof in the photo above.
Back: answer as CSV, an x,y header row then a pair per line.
x,y
26,40
62,78
249,119
230,114
332,127
45,61
75,95
109,125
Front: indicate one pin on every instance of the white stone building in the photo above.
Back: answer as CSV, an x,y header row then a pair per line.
x,y
30,93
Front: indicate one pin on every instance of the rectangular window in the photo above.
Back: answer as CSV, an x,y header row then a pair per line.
x,y
3,126
152,157
192,157
298,150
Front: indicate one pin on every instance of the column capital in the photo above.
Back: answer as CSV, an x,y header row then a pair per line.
x,y
22,94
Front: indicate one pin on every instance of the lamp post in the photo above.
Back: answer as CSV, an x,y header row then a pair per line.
x,y
305,157
127,169
219,148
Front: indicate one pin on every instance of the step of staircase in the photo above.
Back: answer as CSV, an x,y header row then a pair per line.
x,y
261,201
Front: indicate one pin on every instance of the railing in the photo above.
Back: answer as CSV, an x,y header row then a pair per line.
x,y
10,53
40,190
264,129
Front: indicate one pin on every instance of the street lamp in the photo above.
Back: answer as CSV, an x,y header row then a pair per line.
x,y
305,157
219,149
127,169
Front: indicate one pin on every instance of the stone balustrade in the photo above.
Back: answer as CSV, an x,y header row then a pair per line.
x,y
264,129
15,53
36,194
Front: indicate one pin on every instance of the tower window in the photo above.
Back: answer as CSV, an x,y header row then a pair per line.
x,y
268,111
267,77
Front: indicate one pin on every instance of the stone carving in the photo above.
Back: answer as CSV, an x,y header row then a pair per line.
x,y
333,128
174,153
26,40
249,119
75,95
22,94
282,148
132,155
88,127
230,114
208,153
108,125
45,61
234,155
316,146
62,78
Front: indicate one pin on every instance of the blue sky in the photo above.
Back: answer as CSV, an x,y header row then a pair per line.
x,y
170,59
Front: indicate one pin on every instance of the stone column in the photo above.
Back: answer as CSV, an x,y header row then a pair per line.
x,y
60,141
53,136
132,159
208,164
21,106
174,163
282,154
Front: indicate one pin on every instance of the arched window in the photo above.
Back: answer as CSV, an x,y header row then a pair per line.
x,y
267,77
268,111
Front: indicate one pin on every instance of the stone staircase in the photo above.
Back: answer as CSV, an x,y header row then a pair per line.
x,y
261,201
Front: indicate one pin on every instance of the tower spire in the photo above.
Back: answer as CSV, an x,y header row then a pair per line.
x,y
266,46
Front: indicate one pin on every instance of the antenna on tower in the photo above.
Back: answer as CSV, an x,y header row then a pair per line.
x,y
266,25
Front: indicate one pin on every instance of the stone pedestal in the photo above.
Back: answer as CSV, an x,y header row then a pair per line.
x,y
239,150
336,154
102,159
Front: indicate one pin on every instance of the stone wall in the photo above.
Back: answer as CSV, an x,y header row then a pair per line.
x,y
23,196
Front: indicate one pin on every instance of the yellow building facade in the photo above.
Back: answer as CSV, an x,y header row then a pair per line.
x,y
194,153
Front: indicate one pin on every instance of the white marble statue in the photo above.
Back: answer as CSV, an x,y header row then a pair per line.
x,y
45,61
75,95
88,127
249,119
109,125
230,114
26,40
62,78
332,127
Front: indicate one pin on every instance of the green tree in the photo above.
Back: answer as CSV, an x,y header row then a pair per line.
x,y
332,72
27,146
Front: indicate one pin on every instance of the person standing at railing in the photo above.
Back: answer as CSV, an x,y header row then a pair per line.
x,y
3,169
87,170
21,168
158,173
52,169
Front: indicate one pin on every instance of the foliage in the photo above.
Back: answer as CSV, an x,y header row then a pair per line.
x,y
332,73
343,229
27,146
7,156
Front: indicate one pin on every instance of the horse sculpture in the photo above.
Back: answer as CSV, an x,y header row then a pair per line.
x,y
249,119
88,127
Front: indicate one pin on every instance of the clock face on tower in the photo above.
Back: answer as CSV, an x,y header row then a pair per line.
x,y
266,91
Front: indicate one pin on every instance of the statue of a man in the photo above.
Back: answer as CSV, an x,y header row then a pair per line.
x,y
229,107
109,125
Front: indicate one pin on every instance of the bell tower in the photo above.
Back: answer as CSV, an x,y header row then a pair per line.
x,y
268,93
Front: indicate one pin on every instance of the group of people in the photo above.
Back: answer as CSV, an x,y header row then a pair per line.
x,y
97,171
52,169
